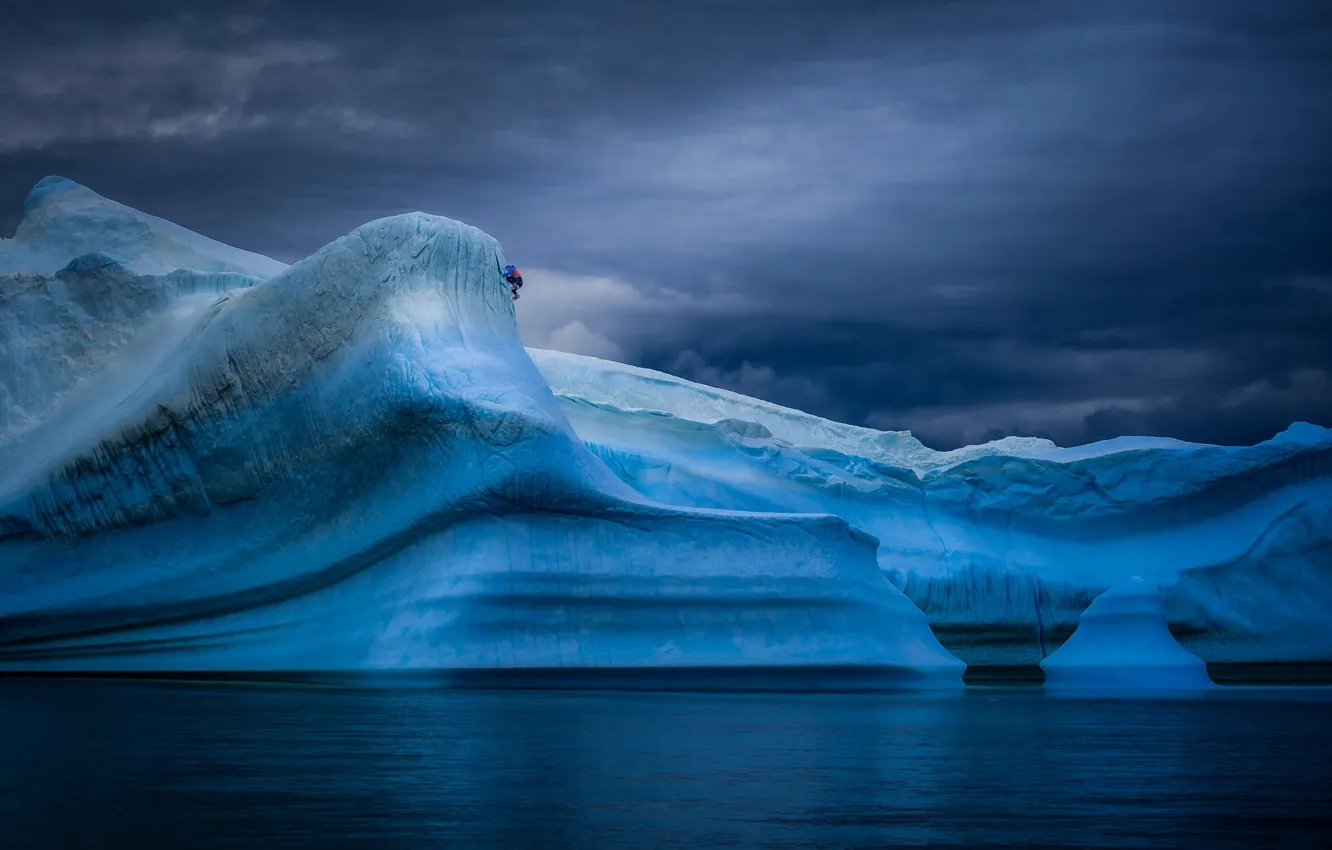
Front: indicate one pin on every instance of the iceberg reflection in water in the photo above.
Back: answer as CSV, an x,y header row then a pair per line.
x,y
118,763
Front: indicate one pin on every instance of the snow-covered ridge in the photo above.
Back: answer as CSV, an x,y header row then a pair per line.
x,y
354,465
630,389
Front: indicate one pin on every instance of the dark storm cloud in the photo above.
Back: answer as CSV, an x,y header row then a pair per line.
x,y
965,218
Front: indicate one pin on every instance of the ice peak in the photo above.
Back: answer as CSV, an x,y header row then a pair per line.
x,y
55,180
421,224
63,220
53,195
52,182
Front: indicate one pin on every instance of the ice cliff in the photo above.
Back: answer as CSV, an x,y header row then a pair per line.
x,y
210,461
1002,545
1123,645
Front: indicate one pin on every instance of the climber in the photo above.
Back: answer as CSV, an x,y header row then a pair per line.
x,y
515,280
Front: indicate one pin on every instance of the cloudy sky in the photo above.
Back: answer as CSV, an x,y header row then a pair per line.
x,y
969,218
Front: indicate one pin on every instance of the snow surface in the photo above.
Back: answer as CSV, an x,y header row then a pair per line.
x,y
1002,545
1123,644
354,465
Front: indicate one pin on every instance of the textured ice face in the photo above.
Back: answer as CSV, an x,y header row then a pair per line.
x,y
1002,545
59,333
354,465
1123,644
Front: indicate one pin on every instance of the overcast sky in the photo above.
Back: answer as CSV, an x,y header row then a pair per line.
x,y
969,218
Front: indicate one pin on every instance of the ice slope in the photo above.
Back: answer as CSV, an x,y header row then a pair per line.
x,y
354,465
63,220
1002,545
1123,645
631,389
59,331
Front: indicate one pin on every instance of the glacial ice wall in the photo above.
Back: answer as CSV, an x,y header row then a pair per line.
x,y
352,464
1002,545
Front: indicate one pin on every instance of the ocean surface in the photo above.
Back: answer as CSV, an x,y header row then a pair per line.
x,y
146,764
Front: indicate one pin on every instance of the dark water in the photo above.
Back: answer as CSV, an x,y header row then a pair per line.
x,y
138,764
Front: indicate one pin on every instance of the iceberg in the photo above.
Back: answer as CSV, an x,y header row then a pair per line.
x,y
1123,646
1002,545
210,461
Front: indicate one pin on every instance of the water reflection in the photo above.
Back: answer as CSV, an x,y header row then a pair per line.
x,y
139,764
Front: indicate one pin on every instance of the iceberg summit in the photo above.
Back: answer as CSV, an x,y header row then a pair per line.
x,y
209,462
213,462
